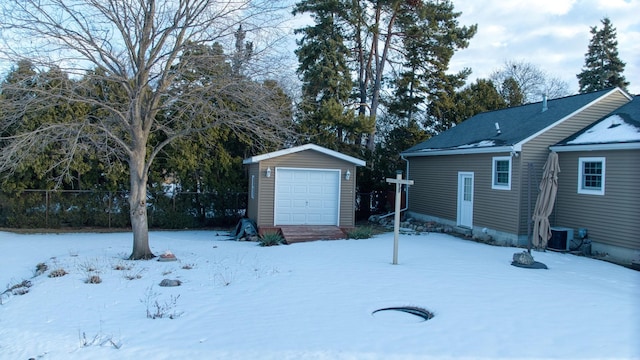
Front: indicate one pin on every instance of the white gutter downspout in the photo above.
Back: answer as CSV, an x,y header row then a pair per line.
x,y
406,193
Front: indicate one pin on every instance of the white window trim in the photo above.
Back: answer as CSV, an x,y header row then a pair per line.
x,y
581,162
493,173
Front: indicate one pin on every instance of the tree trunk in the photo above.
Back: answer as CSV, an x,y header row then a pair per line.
x,y
380,61
138,206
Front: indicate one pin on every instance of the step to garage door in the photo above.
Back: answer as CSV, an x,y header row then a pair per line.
x,y
300,233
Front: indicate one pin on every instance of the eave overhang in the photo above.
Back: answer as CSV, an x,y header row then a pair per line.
x,y
596,147
465,151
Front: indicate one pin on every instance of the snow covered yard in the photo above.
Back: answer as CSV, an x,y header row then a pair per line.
x,y
310,300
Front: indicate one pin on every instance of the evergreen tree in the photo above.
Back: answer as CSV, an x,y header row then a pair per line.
x,y
416,39
431,35
442,112
602,67
477,97
396,141
511,92
211,160
50,164
327,112
243,53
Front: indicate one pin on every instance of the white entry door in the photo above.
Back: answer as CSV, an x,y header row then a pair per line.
x,y
465,199
307,197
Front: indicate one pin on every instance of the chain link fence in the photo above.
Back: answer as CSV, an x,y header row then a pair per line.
x,y
52,209
58,209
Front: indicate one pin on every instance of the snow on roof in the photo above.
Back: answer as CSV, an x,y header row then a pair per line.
x,y
483,146
258,158
482,143
611,129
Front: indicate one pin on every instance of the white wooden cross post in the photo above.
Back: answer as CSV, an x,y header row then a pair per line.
x,y
396,219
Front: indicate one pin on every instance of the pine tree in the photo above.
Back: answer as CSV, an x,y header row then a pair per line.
x,y
391,47
602,67
327,111
431,34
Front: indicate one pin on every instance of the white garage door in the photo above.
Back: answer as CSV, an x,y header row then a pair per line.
x,y
307,197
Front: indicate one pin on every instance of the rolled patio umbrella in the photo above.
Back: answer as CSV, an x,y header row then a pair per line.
x,y
545,201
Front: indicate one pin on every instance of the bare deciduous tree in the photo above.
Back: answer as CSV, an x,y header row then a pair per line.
x,y
533,82
134,47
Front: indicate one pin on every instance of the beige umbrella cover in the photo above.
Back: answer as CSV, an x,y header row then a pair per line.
x,y
545,201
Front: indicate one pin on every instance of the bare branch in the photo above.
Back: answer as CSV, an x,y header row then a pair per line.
x,y
124,59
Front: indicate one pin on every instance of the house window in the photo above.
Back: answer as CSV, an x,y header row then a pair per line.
x,y
501,178
591,172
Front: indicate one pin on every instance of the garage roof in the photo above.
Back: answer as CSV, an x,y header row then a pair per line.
x,y
258,158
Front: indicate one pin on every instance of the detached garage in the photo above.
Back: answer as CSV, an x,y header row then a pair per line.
x,y
305,192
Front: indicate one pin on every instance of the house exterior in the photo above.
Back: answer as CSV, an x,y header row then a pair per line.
x,y
307,185
482,175
598,185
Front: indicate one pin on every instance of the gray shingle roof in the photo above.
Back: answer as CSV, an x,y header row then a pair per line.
x,y
516,124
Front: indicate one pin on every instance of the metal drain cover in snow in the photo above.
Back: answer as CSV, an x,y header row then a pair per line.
x,y
402,314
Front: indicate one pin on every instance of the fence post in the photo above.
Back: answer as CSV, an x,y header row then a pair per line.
x,y
173,199
109,209
46,208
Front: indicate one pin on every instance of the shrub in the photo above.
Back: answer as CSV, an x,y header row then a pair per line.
x,y
93,279
360,232
98,340
121,266
158,310
19,288
270,239
41,268
129,275
58,273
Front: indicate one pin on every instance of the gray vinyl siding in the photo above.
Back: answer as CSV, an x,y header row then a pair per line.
x,y
435,189
307,159
612,218
536,150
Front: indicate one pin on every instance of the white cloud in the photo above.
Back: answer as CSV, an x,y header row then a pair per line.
x,y
552,34
553,7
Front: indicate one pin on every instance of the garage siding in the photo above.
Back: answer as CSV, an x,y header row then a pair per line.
x,y
308,159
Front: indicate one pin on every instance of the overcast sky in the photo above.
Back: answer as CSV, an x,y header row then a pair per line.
x,y
554,35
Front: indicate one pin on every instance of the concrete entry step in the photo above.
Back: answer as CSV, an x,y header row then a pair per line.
x,y
301,233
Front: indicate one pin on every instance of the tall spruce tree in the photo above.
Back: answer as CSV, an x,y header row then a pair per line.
x,y
602,66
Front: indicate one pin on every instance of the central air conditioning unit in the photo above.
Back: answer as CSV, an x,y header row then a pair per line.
x,y
561,238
